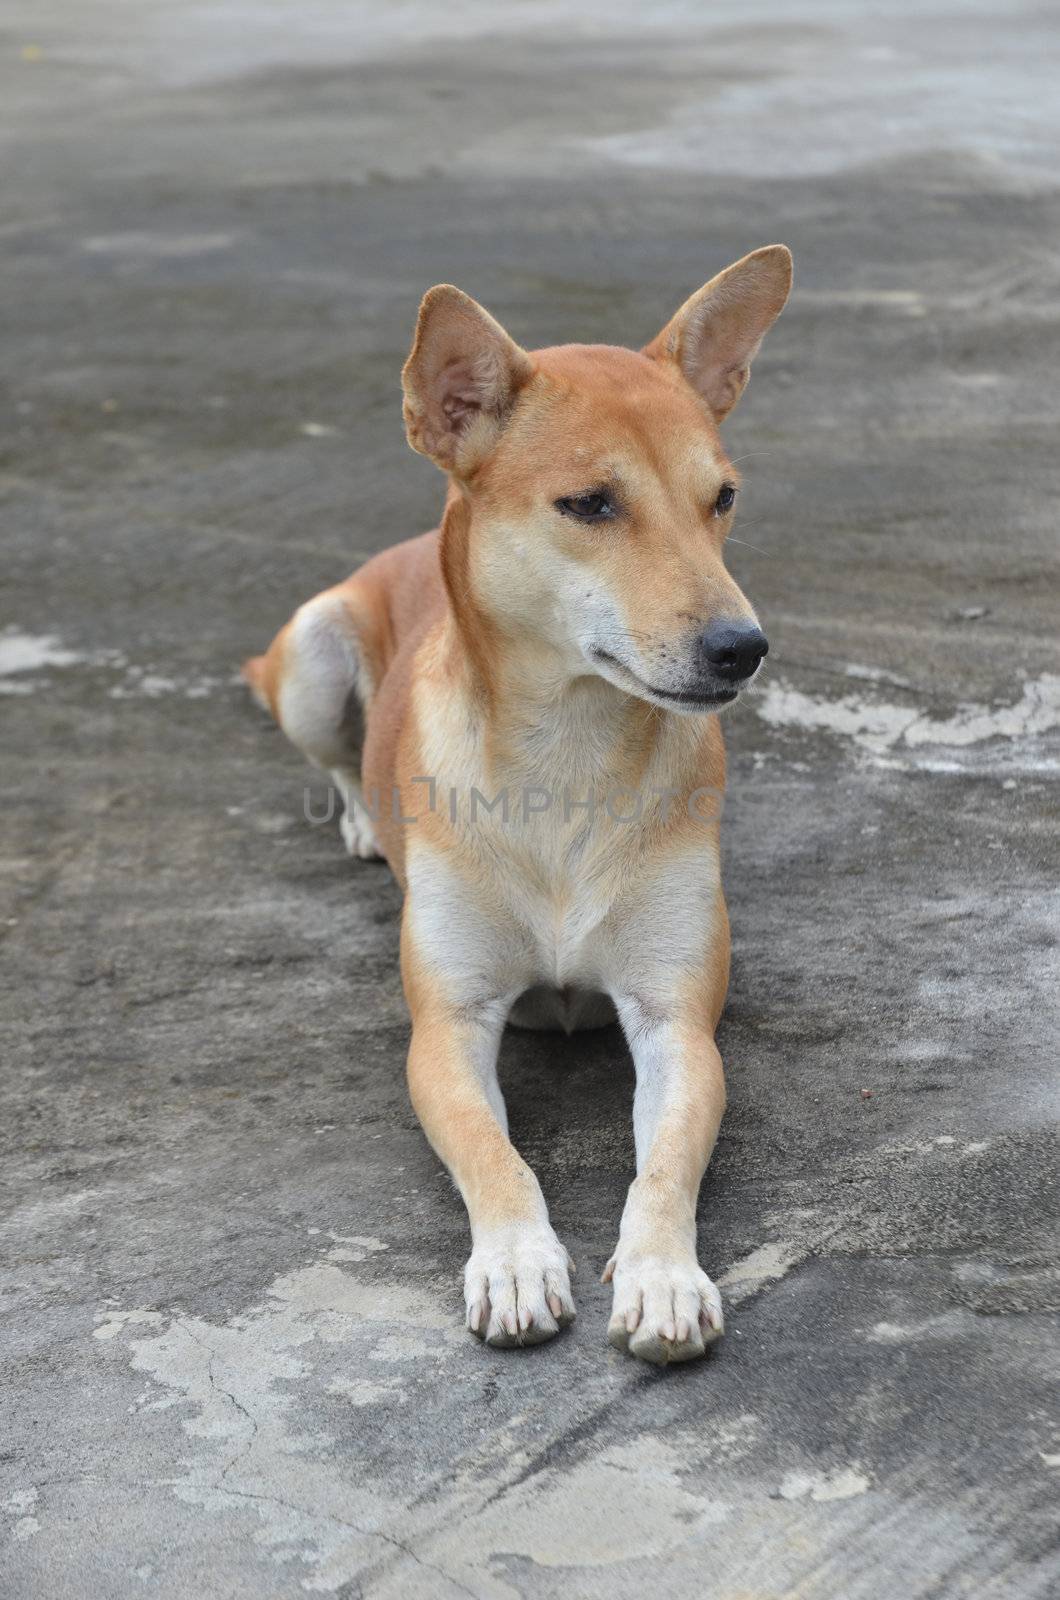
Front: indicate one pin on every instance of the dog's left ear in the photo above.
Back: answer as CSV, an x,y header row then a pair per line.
x,y
460,381
715,335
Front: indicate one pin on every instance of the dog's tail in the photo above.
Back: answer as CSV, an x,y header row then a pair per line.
x,y
255,674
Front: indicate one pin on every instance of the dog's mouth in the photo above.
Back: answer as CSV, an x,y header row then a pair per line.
x,y
701,699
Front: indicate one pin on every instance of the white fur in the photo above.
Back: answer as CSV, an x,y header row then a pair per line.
x,y
665,1307
517,1285
322,668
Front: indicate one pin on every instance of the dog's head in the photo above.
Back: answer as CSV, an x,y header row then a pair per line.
x,y
597,494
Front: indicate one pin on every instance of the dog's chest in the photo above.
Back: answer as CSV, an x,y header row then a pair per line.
x,y
502,915
565,857
549,866
562,895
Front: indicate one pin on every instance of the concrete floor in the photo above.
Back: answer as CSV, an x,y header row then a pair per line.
x,y
232,1319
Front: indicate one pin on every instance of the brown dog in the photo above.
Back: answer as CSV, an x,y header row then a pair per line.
x,y
483,694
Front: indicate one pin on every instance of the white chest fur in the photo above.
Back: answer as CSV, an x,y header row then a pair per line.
x,y
549,859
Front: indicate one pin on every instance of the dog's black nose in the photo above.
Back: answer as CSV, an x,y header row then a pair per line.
x,y
733,652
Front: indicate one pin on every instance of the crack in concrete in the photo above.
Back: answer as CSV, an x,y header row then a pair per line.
x,y
222,1487
354,1527
248,1444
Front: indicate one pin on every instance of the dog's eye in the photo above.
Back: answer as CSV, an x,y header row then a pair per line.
x,y
726,500
594,507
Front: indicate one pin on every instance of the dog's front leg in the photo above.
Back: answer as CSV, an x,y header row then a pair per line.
x,y
517,1280
665,1307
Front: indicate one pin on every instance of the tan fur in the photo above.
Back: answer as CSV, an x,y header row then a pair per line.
x,y
523,647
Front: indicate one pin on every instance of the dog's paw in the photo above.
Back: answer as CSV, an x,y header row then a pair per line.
x,y
357,834
517,1286
664,1310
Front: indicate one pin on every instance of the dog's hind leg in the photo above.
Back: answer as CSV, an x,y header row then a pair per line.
x,y
316,680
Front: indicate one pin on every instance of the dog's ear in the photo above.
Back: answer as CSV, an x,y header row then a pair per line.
x,y
460,381
715,335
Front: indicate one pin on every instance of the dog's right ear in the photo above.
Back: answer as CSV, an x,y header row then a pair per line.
x,y
460,381
716,334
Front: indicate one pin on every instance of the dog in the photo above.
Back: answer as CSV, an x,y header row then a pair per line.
x,y
570,630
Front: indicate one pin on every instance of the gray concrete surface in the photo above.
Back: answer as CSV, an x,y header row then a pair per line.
x,y
234,1362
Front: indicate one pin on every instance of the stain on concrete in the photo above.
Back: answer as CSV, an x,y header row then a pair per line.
x,y
763,1266
27,652
823,1486
883,728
